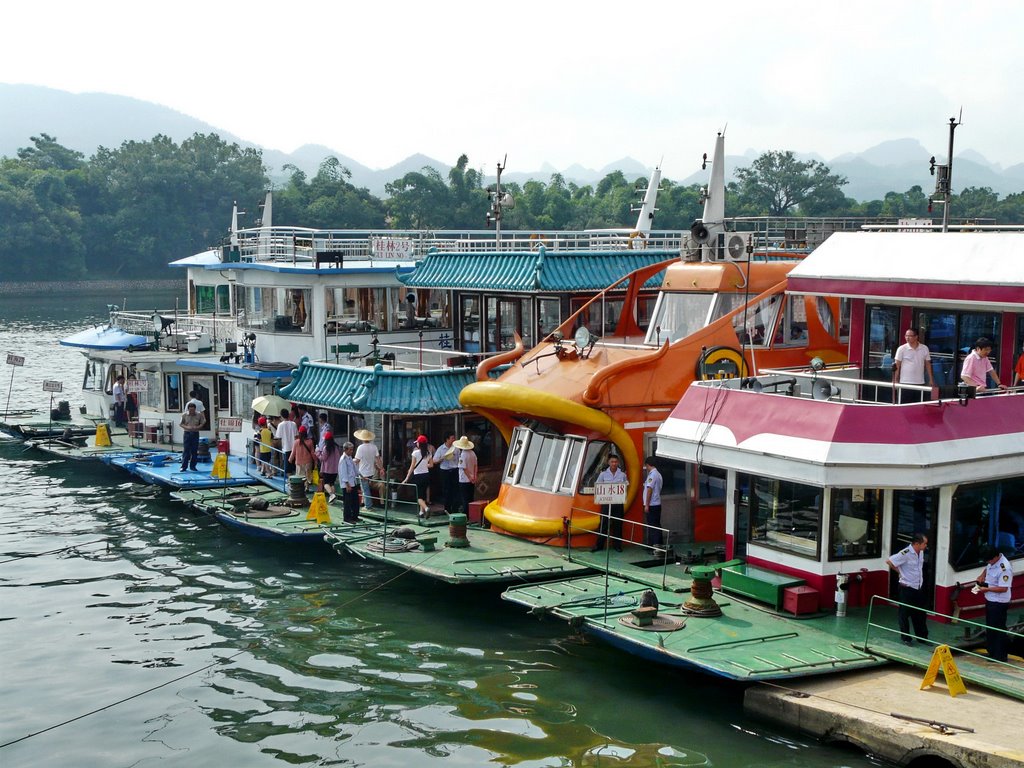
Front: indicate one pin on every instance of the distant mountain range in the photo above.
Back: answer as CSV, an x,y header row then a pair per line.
x,y
86,121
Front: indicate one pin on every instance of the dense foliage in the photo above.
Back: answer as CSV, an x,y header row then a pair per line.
x,y
127,212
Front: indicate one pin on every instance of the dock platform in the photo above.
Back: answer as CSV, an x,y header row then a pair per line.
x,y
861,708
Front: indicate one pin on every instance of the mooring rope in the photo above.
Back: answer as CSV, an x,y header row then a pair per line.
x,y
105,707
52,551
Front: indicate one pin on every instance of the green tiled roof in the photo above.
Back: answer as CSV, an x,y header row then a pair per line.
x,y
379,389
531,271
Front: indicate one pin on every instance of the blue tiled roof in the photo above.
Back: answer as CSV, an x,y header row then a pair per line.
x,y
379,390
530,271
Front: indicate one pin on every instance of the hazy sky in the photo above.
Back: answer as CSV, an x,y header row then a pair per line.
x,y
556,81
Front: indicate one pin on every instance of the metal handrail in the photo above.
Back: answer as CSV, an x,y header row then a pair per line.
x,y
867,629
662,549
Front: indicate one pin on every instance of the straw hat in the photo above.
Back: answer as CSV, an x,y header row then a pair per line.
x,y
364,434
464,444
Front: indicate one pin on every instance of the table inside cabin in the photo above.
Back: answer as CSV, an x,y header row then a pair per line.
x,y
758,583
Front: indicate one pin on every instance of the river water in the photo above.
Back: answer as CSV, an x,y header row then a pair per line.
x,y
141,634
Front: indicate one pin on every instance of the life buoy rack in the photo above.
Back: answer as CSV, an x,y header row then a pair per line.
x,y
637,241
721,363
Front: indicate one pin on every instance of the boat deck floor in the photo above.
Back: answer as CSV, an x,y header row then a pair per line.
x,y
162,467
749,641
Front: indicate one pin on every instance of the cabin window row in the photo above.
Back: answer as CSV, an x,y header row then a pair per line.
x,y
548,461
788,516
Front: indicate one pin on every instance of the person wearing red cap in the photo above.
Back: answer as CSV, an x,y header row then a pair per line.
x,y
266,442
419,471
303,456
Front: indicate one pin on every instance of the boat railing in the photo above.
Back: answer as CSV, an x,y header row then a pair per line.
x,y
844,384
177,324
334,246
973,631
660,551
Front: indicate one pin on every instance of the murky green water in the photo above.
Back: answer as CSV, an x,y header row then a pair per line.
x,y
243,654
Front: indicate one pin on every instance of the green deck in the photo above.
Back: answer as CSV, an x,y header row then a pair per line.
x,y
490,558
751,641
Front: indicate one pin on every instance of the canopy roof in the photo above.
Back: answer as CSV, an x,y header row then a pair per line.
x,y
971,267
532,271
379,390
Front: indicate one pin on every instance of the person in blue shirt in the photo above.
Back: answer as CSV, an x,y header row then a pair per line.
x,y
652,503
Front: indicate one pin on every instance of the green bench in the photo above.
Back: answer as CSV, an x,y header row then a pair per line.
x,y
757,583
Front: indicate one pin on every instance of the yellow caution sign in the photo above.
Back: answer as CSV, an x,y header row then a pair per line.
x,y
102,436
944,659
220,467
318,509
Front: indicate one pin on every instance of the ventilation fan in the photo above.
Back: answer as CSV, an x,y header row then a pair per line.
x,y
735,247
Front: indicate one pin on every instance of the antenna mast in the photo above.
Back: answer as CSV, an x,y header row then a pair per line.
x,y
944,179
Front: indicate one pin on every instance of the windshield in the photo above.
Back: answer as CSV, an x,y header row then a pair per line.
x,y
677,315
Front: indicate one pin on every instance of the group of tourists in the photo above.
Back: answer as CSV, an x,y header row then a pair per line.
x,y
457,465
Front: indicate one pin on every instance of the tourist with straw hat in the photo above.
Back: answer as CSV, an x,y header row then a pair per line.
x,y
467,471
446,457
368,463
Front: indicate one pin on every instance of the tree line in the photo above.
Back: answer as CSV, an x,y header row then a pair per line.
x,y
127,212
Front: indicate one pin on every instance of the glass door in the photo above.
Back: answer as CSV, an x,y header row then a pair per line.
x,y
916,512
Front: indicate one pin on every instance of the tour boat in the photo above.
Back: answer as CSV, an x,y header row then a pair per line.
x,y
825,471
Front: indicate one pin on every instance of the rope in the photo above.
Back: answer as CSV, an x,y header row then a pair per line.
x,y
52,551
360,596
121,701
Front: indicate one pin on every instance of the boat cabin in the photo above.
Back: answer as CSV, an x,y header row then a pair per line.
x,y
825,471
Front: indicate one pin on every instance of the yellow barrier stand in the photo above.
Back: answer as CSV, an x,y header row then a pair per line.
x,y
318,509
944,659
102,436
220,467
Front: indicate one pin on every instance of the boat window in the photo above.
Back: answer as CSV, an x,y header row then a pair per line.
x,y
594,460
825,315
785,516
173,394
209,299
277,310
881,342
645,304
987,513
845,310
754,323
243,392
549,316
516,451
541,463
791,329
710,485
601,316
358,310
481,432
469,311
855,524
950,336
572,466
150,396
420,308
678,315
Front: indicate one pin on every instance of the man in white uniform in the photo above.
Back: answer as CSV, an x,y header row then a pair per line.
x,y
995,582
